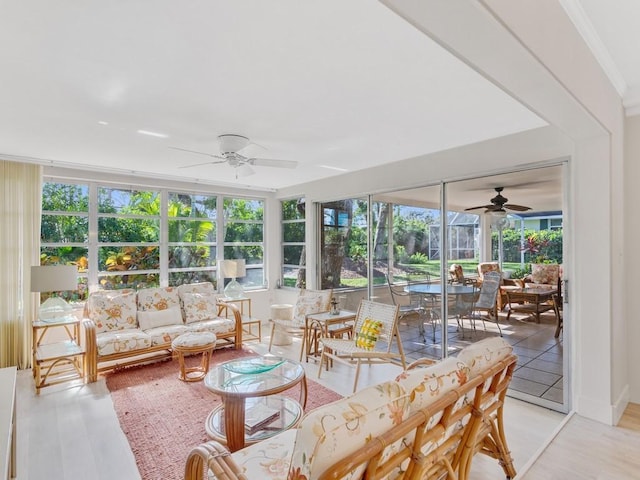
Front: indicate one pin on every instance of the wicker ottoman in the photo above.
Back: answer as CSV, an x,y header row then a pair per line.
x,y
194,343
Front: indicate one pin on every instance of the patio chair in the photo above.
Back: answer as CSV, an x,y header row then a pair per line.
x,y
456,276
487,299
308,302
462,307
375,329
411,304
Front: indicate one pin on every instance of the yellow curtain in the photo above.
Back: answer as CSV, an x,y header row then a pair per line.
x,y
21,209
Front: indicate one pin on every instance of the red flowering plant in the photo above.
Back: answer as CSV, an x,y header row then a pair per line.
x,y
537,248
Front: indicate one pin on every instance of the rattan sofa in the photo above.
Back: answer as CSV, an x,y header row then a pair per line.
x,y
427,423
127,327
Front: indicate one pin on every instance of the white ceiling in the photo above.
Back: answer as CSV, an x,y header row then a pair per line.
x,y
334,85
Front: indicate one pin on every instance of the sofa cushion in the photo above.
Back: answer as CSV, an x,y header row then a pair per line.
x,y
159,298
424,385
334,431
269,459
159,318
120,341
218,325
198,307
201,287
112,310
165,334
479,355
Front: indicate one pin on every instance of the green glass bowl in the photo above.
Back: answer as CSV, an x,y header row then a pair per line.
x,y
254,365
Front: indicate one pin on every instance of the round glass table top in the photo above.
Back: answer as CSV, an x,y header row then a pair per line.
x,y
254,376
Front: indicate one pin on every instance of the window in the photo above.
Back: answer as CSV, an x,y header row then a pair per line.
x,y
141,236
293,243
343,244
192,238
128,238
244,237
64,232
555,224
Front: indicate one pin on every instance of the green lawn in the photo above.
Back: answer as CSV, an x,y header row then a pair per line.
x,y
432,267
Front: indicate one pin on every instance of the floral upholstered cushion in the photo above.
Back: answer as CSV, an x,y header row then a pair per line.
x,y
424,385
120,341
217,325
479,355
310,301
269,459
199,307
545,273
368,335
201,287
485,267
164,335
457,273
112,310
160,298
334,431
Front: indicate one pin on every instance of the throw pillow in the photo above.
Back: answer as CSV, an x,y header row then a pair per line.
x,y
199,307
546,273
112,310
368,335
159,318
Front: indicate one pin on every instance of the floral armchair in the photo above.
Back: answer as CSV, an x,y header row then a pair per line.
x,y
308,302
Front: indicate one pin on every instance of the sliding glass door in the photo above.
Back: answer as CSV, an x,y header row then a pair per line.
x,y
432,246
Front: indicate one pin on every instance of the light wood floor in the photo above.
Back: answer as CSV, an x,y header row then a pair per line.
x,y
71,433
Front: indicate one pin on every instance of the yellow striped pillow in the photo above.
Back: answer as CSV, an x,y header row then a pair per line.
x,y
368,334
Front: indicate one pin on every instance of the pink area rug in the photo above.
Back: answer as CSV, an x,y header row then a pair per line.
x,y
163,418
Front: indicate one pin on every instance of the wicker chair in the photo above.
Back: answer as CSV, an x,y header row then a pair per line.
x,y
308,302
379,350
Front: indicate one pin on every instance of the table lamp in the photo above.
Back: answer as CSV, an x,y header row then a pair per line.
x,y
233,269
54,278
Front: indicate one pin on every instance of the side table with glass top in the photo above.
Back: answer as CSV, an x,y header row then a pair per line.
x,y
326,324
57,361
241,391
248,320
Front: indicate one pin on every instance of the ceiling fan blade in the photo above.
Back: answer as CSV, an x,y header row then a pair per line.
x,y
517,208
205,163
480,206
268,162
198,153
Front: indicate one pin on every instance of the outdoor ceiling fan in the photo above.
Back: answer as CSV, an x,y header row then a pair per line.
x,y
499,205
230,145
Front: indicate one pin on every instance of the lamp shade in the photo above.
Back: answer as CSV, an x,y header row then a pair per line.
x,y
234,268
54,278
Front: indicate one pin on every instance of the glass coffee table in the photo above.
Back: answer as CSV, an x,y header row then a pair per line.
x,y
250,387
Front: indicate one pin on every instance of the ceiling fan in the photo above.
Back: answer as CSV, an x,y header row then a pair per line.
x,y
499,204
230,145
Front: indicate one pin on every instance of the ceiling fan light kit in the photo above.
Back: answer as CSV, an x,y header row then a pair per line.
x,y
230,145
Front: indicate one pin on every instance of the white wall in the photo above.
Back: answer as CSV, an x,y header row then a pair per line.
x,y
632,254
